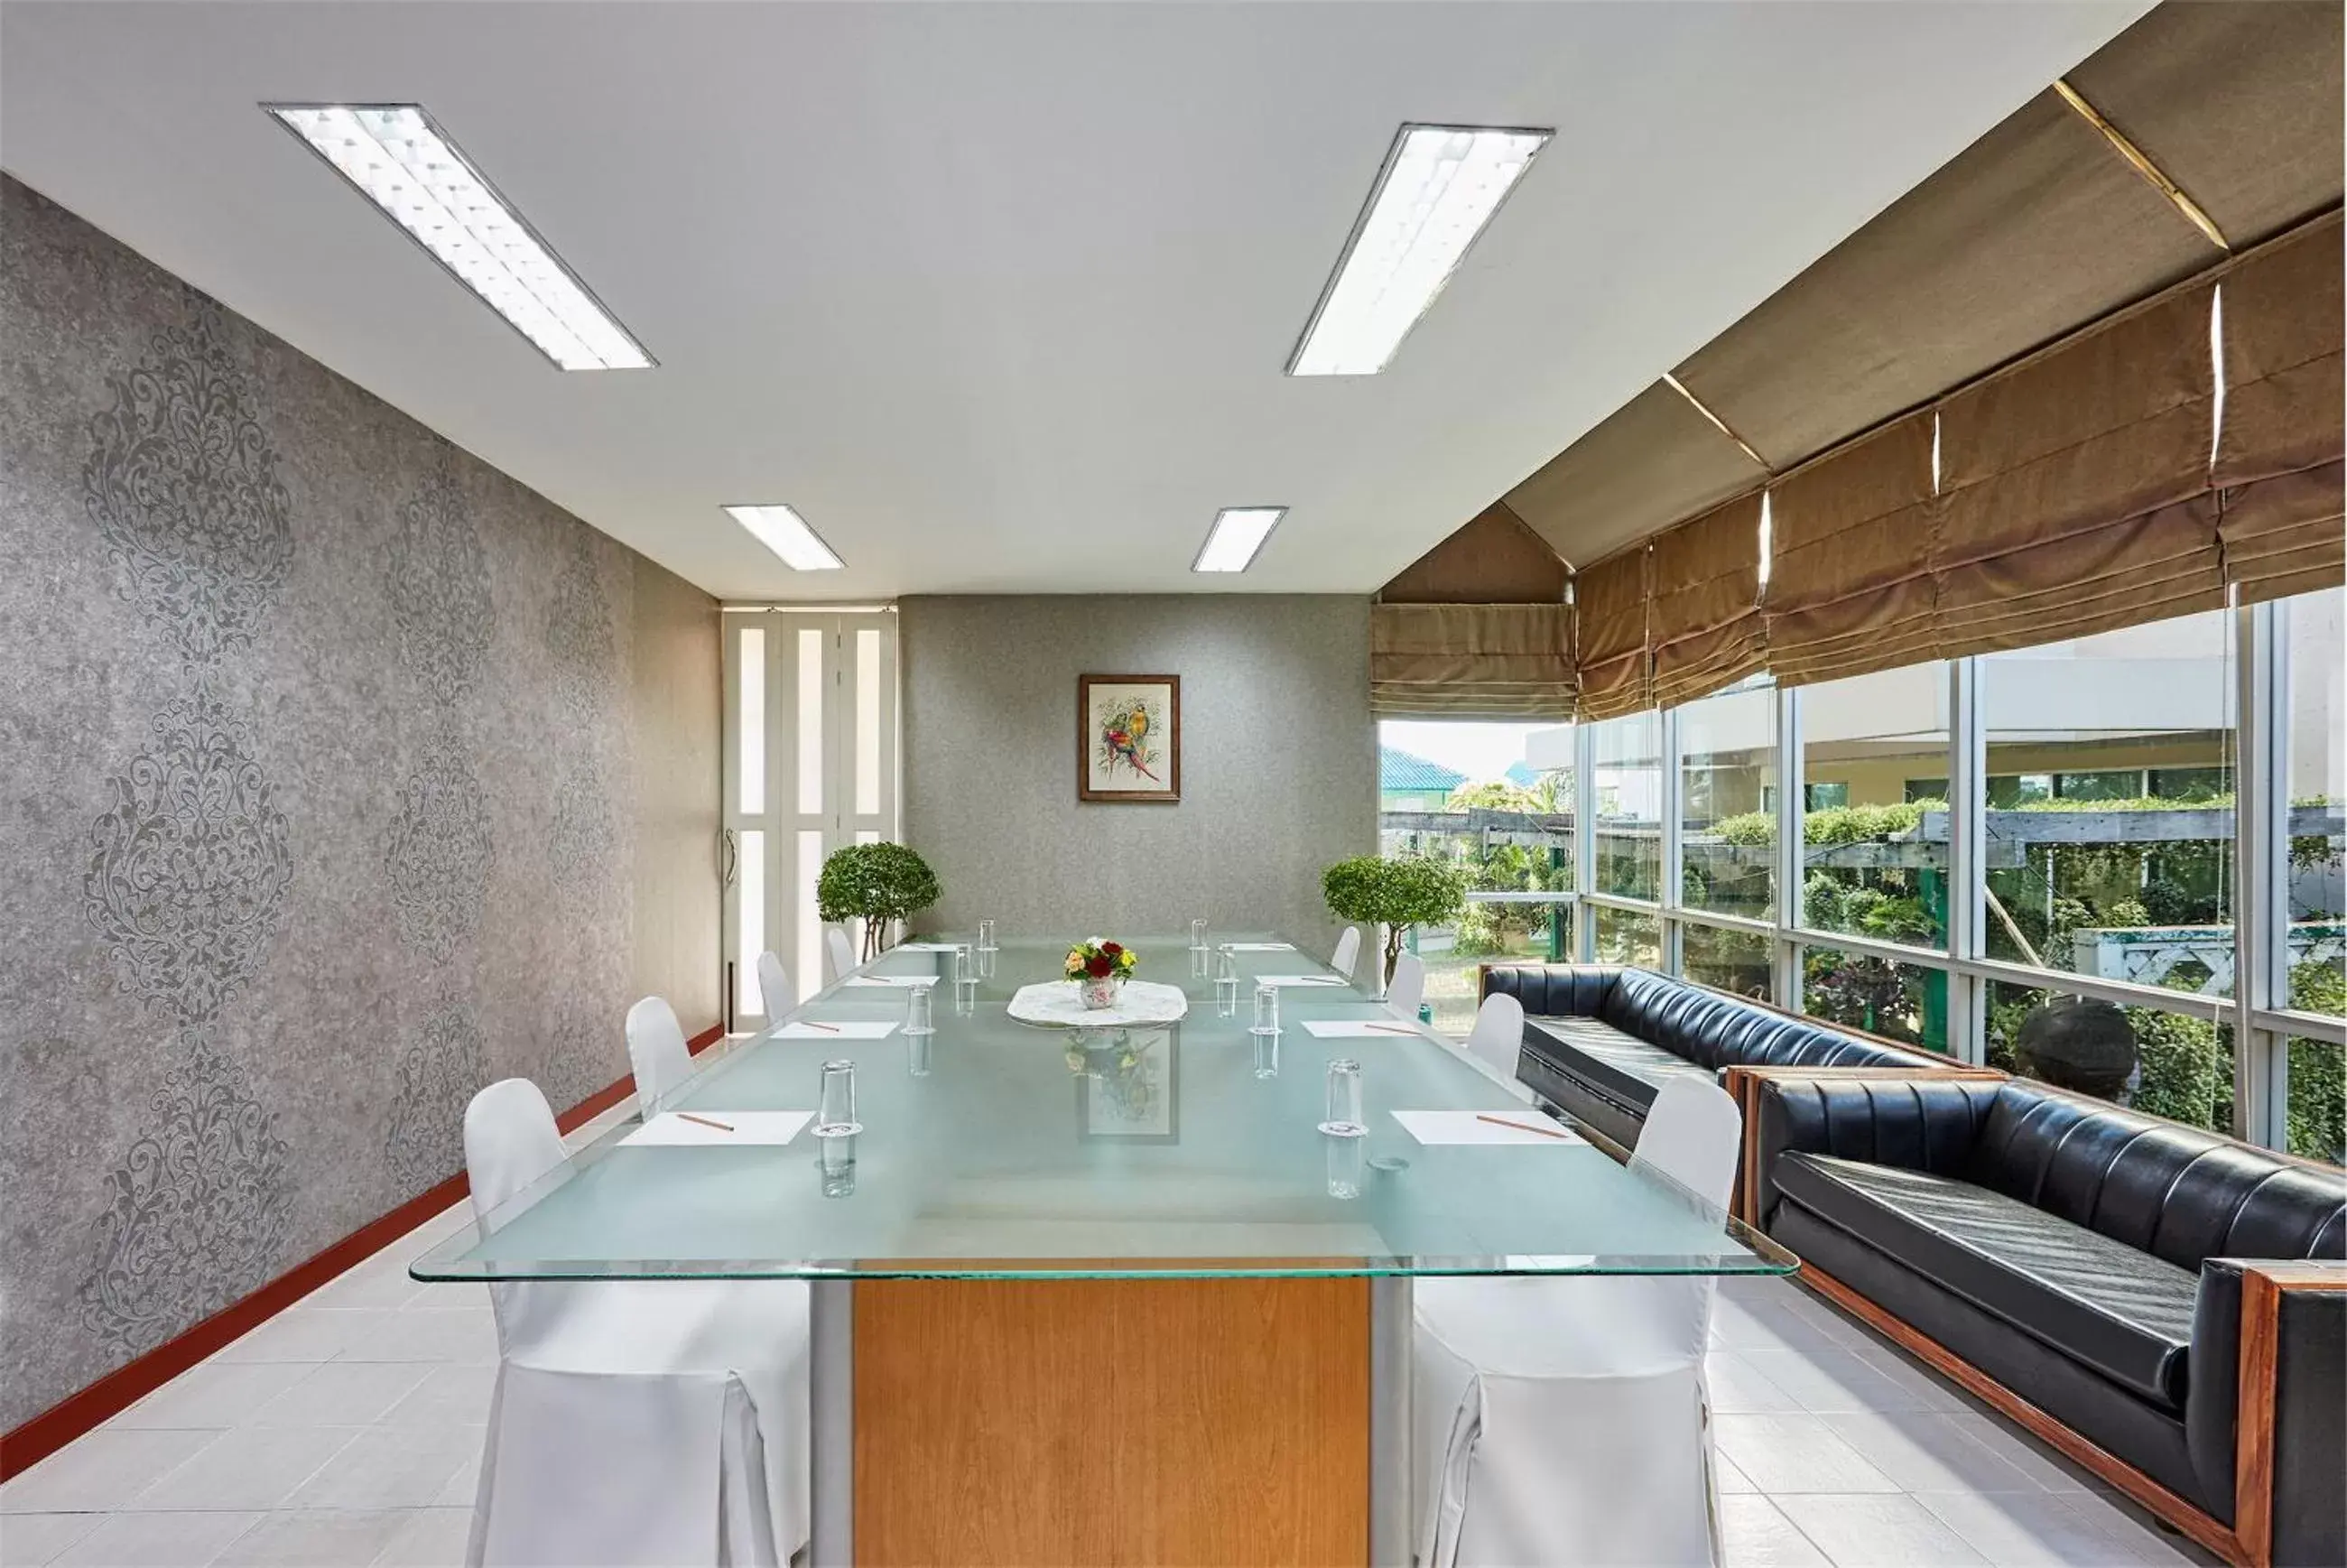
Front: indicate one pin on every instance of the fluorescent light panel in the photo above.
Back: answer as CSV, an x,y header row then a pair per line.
x,y
1238,532
1439,186
785,532
400,161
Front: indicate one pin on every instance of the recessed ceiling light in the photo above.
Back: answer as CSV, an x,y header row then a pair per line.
x,y
1238,532
402,162
785,532
1439,186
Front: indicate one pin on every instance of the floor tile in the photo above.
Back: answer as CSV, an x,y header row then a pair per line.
x,y
2037,1527
457,1396
2041,1465
253,1468
1731,1480
381,1283
303,1335
31,1540
464,1486
342,1394
1784,1454
101,1471
416,1335
1925,1450
156,1540
1835,1381
1867,1531
1741,1389
433,1537
317,1538
1764,1326
445,1295
390,1467
1755,1534
214,1394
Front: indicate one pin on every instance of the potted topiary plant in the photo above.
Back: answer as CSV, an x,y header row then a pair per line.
x,y
878,884
1412,890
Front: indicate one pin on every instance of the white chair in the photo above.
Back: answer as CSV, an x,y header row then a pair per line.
x,y
1567,1420
776,997
1408,986
1348,952
633,1421
1497,1038
843,956
656,1051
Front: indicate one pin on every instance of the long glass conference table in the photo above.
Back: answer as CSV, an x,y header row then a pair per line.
x,y
1102,1294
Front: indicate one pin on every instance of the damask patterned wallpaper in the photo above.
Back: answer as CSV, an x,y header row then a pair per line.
x,y
342,775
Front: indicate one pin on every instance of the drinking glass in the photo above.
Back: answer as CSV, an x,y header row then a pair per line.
x,y
834,1116
965,981
986,942
919,1012
1344,1100
986,957
1344,1167
836,1160
1202,963
918,1048
1267,1010
1197,933
1267,1056
1226,978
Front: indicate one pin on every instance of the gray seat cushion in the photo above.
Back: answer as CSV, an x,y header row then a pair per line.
x,y
1620,1065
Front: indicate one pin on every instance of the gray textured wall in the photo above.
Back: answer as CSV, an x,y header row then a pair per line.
x,y
1279,759
342,775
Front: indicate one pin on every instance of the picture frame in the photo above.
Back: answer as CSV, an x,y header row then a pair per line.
x,y
1141,1105
1129,739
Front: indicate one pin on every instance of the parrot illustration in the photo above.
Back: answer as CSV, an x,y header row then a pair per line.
x,y
1124,738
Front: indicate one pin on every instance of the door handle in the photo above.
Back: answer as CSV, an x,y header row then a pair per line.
x,y
733,856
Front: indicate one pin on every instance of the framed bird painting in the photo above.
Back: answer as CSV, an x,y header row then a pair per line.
x,y
1128,738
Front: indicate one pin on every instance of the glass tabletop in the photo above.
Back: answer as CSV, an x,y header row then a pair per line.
x,y
994,1148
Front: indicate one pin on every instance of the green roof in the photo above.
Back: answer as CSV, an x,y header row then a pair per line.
x,y
1399,770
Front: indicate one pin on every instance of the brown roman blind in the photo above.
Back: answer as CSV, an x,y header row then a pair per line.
x,y
1704,622
1850,584
1472,661
1652,462
1611,600
2279,450
2074,491
1494,558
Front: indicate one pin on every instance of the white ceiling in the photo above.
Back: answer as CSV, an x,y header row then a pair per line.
x,y
999,296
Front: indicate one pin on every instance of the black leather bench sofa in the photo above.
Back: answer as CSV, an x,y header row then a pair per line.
x,y
2090,1261
1599,1041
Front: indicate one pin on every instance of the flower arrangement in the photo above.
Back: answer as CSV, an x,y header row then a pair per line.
x,y
1098,968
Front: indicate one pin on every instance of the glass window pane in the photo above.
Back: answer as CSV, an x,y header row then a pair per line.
x,y
1728,802
1731,960
1900,1001
2159,1062
810,924
2317,672
750,924
2110,821
2318,1100
810,721
751,731
867,721
1874,749
1628,762
1623,938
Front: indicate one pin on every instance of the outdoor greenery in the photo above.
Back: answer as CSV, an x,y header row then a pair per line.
x,y
1410,890
878,884
1488,929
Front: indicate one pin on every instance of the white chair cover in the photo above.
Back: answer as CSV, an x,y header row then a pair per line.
x,y
635,1421
1409,988
1567,1420
1348,955
1497,1038
776,996
657,1052
843,956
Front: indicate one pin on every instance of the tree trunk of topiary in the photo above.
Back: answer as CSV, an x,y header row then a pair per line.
x,y
873,930
1394,935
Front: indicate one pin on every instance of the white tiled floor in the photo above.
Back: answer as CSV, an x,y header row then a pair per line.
x,y
348,1431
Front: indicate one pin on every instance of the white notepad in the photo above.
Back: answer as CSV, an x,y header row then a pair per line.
x,y
864,1030
898,980
1297,981
670,1129
1260,946
1468,1127
925,947
1362,1029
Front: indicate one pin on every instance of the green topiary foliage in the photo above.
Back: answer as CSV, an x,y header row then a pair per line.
x,y
876,883
1413,890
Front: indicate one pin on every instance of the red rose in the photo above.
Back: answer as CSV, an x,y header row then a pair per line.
x,y
1098,968
1111,949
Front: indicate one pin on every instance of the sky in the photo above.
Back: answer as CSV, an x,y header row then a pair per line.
x,y
1480,750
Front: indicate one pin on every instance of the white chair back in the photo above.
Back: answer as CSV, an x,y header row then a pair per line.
x,y
1498,1037
511,1142
1409,988
1691,1136
1348,952
843,957
657,1052
776,997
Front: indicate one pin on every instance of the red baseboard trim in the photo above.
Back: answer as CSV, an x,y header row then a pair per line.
x,y
41,1436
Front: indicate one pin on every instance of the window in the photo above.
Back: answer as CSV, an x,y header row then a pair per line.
x,y
1626,757
1728,774
2316,787
1900,1001
2165,1063
1730,959
2107,852
1874,853
2317,1111
1625,938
